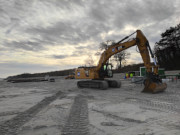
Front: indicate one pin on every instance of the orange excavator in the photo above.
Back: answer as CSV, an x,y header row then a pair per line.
x,y
94,77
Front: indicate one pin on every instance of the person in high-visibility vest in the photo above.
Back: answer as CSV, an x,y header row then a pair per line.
x,y
127,75
131,75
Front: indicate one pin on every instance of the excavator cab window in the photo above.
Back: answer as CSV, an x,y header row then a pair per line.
x,y
104,67
106,71
109,70
87,73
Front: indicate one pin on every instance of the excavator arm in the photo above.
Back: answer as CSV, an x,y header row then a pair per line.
x,y
140,41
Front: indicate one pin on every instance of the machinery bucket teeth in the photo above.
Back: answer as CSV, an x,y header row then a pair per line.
x,y
153,87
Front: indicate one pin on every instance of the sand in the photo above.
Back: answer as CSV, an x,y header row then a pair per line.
x,y
55,108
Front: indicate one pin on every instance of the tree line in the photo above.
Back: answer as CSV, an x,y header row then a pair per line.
x,y
53,73
167,49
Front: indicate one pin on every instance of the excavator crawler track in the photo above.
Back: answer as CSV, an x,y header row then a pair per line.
x,y
114,83
99,84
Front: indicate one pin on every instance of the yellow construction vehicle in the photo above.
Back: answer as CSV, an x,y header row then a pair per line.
x,y
153,83
69,76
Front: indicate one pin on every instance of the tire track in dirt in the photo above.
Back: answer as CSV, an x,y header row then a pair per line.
x,y
159,101
10,127
158,104
78,122
8,113
150,101
107,114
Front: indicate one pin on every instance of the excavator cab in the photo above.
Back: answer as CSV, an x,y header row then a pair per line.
x,y
106,71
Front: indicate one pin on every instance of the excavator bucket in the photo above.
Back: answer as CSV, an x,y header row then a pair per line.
x,y
153,86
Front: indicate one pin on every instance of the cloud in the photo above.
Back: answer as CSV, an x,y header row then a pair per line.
x,y
60,33
141,12
38,26
25,45
59,56
93,18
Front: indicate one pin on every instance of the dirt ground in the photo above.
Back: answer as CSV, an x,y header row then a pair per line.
x,y
60,108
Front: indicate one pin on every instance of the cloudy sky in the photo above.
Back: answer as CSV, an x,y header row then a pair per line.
x,y
48,35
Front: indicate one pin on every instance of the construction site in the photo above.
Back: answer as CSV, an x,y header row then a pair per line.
x,y
55,108
93,100
89,67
